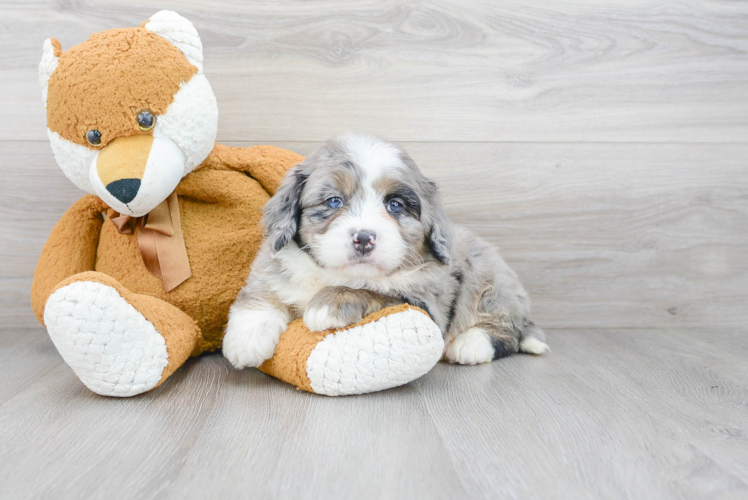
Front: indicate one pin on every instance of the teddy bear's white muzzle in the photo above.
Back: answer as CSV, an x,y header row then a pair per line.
x,y
134,174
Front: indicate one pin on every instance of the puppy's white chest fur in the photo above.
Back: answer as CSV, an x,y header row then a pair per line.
x,y
302,279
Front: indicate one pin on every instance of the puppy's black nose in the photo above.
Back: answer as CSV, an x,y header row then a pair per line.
x,y
363,241
125,190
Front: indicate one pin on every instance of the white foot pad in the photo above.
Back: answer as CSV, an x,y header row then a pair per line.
x,y
389,352
111,347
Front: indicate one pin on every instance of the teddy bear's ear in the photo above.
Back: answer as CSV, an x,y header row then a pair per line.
x,y
180,32
51,51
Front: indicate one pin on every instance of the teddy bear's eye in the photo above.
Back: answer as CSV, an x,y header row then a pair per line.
x,y
93,137
146,120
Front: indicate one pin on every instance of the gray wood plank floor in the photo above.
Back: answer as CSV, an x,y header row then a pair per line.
x,y
609,414
602,145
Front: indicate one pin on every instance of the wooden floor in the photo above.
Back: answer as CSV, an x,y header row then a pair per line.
x,y
602,145
609,414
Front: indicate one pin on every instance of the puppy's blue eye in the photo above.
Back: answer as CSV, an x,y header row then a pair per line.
x,y
334,202
394,206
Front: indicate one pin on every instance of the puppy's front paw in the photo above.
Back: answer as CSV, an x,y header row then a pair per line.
x,y
321,318
470,348
252,335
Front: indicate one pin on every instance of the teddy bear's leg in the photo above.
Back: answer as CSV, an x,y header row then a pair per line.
x,y
386,349
118,343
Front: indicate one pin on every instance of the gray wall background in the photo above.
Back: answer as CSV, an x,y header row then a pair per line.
x,y
601,145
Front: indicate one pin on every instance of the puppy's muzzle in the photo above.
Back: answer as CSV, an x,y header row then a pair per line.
x,y
364,241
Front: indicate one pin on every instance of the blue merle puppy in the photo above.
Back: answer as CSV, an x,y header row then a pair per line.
x,y
355,228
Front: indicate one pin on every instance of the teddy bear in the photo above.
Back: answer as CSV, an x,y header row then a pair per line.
x,y
138,275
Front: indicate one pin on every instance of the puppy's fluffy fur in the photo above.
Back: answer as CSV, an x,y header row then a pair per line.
x,y
356,227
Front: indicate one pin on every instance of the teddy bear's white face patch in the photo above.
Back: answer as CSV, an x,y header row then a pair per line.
x,y
191,121
73,159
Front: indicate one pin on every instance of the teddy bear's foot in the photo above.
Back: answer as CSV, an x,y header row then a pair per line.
x,y
386,349
112,347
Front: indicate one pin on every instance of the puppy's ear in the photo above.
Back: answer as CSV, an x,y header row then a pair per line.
x,y
282,212
439,228
440,234
440,238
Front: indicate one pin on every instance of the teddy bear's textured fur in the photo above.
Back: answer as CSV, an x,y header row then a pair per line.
x,y
114,321
78,90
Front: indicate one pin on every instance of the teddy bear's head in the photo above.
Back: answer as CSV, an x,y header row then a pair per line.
x,y
129,111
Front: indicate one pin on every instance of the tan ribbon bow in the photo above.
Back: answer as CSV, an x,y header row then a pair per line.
x,y
160,240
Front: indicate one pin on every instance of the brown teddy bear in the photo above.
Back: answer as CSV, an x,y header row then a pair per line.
x,y
139,275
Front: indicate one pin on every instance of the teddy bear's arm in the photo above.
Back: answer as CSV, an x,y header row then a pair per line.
x,y
267,164
70,249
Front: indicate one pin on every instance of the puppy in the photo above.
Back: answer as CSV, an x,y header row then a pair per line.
x,y
355,228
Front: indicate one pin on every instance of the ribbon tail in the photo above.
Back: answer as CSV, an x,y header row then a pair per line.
x,y
162,244
174,251
149,251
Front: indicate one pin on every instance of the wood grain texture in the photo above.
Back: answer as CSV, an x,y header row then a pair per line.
x,y
26,355
141,439
477,70
614,235
634,403
619,414
601,145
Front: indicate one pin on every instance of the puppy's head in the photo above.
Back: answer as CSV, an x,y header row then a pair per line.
x,y
360,206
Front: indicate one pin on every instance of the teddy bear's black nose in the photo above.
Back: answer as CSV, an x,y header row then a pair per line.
x,y
125,190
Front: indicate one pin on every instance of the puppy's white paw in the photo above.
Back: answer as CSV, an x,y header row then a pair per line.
x,y
319,319
471,347
252,335
531,345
